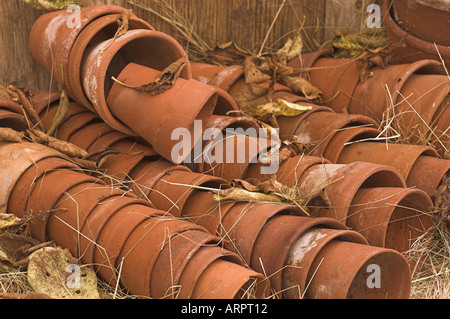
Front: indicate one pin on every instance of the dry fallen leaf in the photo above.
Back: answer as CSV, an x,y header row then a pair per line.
x,y
301,86
54,272
48,5
163,82
227,54
61,113
252,73
292,48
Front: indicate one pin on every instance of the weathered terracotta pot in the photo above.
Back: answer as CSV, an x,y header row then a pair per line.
x,y
160,115
26,183
341,182
342,270
200,261
71,210
186,244
221,127
148,48
431,15
403,157
232,281
442,140
303,252
276,238
319,128
16,159
172,190
349,135
52,37
11,115
46,193
390,217
148,172
243,223
428,173
106,229
99,30
289,171
220,76
201,208
410,47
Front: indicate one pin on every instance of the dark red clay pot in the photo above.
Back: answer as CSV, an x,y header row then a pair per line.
x,y
390,217
341,182
341,271
303,252
276,238
89,134
160,115
410,47
431,15
150,49
99,30
52,38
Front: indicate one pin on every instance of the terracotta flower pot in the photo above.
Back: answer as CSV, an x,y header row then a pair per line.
x,y
222,77
202,209
148,172
99,30
390,217
172,190
52,37
233,282
200,261
26,183
46,193
106,229
243,223
89,134
16,159
319,128
410,47
11,115
148,48
342,270
163,113
72,124
303,252
276,238
428,173
289,171
424,19
403,157
341,182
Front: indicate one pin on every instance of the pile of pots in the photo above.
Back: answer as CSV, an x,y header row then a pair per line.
x,y
196,246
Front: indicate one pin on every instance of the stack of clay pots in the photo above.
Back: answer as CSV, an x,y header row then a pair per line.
x,y
109,229
414,96
175,189
303,256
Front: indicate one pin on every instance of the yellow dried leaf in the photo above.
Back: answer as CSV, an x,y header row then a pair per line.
x,y
303,87
447,154
240,194
54,272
